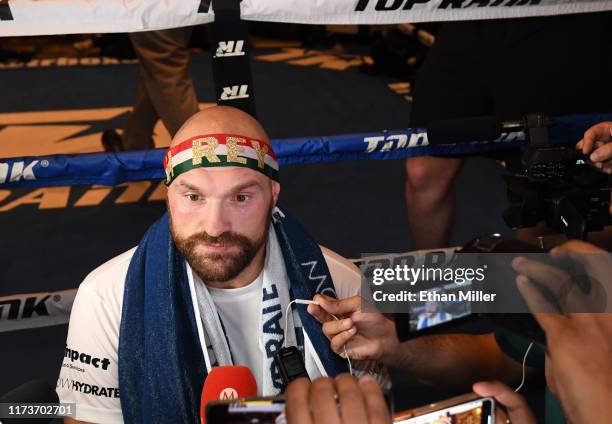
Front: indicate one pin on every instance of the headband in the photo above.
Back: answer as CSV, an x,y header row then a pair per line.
x,y
212,150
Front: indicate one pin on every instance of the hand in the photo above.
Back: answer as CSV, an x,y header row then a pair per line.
x,y
366,335
515,409
597,143
343,400
596,263
579,346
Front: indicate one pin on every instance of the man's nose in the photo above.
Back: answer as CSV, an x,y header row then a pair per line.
x,y
216,221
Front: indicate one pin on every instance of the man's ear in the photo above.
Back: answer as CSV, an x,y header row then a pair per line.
x,y
275,191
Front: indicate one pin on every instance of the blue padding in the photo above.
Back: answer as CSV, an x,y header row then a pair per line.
x,y
113,169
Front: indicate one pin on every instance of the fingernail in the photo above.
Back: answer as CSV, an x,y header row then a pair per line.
x,y
351,330
366,379
521,279
518,261
595,156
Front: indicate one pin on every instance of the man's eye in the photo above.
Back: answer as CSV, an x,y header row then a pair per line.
x,y
193,197
242,198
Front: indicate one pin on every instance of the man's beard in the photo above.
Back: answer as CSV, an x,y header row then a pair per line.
x,y
219,267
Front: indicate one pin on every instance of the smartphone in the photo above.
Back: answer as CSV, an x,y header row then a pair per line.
x,y
467,408
247,411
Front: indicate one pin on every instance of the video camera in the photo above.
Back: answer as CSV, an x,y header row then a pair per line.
x,y
555,183
548,182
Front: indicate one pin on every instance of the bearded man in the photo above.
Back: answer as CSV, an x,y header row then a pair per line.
x,y
208,285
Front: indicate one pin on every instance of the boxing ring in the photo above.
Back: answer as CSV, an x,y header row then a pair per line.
x,y
142,170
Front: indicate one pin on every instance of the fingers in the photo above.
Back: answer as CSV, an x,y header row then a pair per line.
x,y
343,400
601,132
319,313
602,153
544,313
339,341
555,279
323,401
339,307
352,404
376,407
297,408
515,404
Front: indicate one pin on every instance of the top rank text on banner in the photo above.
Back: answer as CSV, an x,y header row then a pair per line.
x,y
400,11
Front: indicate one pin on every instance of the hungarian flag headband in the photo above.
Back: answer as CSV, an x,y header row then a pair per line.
x,y
214,150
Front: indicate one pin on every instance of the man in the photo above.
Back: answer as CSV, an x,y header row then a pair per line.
x,y
165,89
208,285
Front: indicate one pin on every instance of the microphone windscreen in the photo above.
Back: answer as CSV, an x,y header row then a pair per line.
x,y
35,391
464,130
227,383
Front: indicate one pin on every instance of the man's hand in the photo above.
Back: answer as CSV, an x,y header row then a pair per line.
x,y
579,346
366,335
343,400
597,143
596,263
515,408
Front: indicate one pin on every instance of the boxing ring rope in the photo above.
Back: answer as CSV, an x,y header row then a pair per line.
x,y
117,168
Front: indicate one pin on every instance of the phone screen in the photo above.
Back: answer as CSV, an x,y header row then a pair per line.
x,y
479,411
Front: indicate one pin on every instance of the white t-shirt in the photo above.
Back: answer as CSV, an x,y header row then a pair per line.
x,y
89,374
239,310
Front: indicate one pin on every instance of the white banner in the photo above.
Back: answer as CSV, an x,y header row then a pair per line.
x,y
47,17
22,311
401,11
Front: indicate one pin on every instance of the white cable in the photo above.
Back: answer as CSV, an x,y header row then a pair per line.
x,y
524,362
311,302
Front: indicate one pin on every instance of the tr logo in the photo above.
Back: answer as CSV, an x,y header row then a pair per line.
x,y
230,48
228,393
235,92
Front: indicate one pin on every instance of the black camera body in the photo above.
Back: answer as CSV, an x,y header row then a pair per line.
x,y
555,184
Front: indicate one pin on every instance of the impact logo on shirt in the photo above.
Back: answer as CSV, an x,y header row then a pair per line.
x,y
87,359
88,389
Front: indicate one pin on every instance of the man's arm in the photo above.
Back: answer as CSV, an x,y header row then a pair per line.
x,y
446,360
454,361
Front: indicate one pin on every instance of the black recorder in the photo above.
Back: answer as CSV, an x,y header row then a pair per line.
x,y
290,364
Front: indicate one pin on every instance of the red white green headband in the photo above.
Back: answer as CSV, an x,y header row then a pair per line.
x,y
214,150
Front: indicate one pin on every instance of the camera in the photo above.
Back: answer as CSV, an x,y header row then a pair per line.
x,y
555,183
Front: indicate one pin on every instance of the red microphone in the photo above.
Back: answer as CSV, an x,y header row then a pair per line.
x,y
227,383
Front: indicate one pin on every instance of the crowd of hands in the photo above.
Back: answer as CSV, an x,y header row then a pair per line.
x,y
578,364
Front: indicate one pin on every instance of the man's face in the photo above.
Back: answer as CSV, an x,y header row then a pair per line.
x,y
219,219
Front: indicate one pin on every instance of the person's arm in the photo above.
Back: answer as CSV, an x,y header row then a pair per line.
x,y
446,360
454,361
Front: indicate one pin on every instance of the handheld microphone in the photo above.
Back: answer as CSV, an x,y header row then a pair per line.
x,y
227,383
35,391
